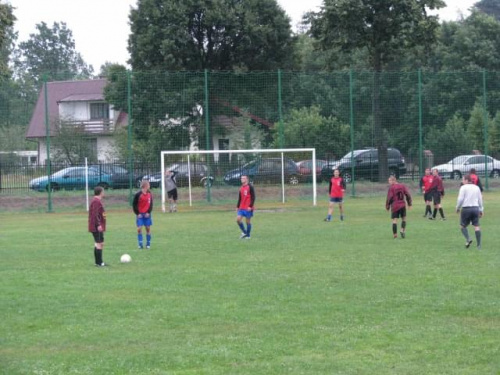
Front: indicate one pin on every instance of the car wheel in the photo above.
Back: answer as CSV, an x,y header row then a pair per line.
x,y
347,177
206,182
456,175
293,180
495,173
53,187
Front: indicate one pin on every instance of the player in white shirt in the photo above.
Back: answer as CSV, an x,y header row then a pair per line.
x,y
470,204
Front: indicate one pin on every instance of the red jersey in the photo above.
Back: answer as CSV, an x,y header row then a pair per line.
x,y
246,197
143,202
396,197
437,185
97,215
426,182
474,178
337,187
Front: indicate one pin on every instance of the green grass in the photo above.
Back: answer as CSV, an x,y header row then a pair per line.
x,y
301,297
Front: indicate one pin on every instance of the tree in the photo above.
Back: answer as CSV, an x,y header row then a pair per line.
x,y
51,52
490,7
210,34
384,28
6,22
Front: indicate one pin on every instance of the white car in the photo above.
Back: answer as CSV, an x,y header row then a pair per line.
x,y
461,165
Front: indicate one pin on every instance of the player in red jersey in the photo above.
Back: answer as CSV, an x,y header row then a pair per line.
x,y
475,179
437,191
97,224
425,185
143,206
245,206
336,191
397,198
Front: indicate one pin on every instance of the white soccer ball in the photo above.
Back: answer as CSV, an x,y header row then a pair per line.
x,y
126,258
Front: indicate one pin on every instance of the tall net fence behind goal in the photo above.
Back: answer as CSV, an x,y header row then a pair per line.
x,y
214,177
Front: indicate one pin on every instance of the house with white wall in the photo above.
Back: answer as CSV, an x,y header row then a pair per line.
x,y
80,105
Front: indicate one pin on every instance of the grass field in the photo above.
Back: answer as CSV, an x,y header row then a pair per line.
x,y
301,297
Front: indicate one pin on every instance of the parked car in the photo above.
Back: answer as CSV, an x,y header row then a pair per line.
x,y
70,179
197,171
266,171
365,164
305,168
119,176
462,164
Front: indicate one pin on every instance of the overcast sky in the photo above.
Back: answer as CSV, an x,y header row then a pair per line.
x,y
100,27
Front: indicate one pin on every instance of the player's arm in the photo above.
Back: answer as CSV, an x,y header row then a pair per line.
x,y
460,199
151,205
135,203
388,201
343,184
408,197
421,183
252,196
239,200
479,184
330,187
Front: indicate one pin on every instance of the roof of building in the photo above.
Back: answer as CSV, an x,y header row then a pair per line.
x,y
65,91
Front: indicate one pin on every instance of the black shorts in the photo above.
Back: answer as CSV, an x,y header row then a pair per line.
x,y
469,215
428,197
98,237
436,195
399,213
172,194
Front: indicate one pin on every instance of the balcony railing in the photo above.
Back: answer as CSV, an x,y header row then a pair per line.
x,y
91,126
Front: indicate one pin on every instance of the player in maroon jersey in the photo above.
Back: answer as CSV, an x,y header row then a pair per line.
x,y
245,206
475,179
143,206
437,191
336,191
97,224
397,198
425,185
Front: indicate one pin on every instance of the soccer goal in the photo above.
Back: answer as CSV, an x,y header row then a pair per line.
x,y
215,175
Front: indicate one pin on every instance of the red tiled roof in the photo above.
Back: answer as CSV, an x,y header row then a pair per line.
x,y
64,91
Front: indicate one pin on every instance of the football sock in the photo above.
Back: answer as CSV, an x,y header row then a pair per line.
x,y
148,239
478,238
328,217
434,213
428,210
441,212
95,256
394,228
403,226
139,239
341,217
249,228
242,227
99,256
465,232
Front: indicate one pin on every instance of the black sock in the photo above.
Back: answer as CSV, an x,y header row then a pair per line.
x,y
434,213
403,226
427,210
465,232
99,256
394,228
96,256
478,237
441,212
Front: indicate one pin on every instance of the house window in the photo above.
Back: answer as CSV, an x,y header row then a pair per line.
x,y
99,111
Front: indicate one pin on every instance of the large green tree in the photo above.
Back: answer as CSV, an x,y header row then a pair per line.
x,y
490,7
210,34
6,22
51,52
385,29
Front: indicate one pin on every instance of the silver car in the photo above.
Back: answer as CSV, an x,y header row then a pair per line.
x,y
461,165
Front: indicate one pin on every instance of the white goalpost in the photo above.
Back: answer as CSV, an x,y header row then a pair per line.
x,y
191,159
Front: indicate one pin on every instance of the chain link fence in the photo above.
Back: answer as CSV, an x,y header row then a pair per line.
x,y
369,125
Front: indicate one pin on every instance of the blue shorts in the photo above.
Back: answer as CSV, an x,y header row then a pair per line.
x,y
144,221
336,200
245,213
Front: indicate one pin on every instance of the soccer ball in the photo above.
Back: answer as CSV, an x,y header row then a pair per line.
x,y
126,258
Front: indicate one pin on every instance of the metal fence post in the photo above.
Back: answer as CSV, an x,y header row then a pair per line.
x,y
47,141
485,125
351,119
207,127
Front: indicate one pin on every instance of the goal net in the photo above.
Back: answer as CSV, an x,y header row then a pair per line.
x,y
278,175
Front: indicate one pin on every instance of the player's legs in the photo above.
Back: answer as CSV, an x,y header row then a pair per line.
x,y
239,221
249,226
98,248
148,237
330,211
464,222
403,227
477,228
395,227
341,210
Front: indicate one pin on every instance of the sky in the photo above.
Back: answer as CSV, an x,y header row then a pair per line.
x,y
100,27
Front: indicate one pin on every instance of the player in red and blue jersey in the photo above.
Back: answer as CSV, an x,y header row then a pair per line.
x,y
425,186
336,191
397,198
245,206
143,206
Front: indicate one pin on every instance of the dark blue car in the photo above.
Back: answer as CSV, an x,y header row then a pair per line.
x,y
268,170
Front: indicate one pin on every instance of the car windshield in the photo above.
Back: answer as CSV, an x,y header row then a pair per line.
x,y
64,172
354,154
250,164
